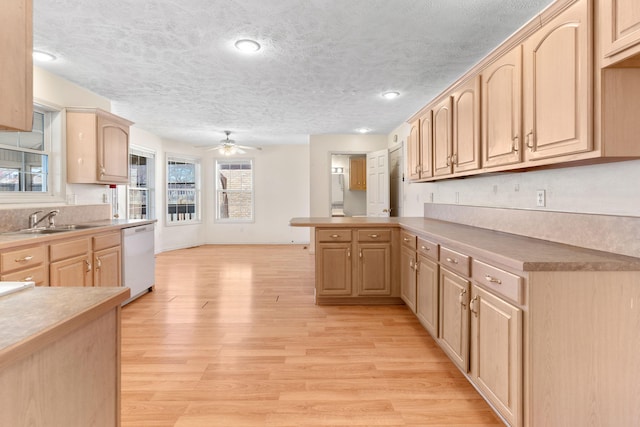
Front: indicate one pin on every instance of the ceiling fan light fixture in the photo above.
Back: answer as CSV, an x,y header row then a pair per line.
x,y
391,94
228,150
247,45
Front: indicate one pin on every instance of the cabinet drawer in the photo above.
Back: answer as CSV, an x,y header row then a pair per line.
x,y
342,235
408,239
500,281
39,275
69,249
456,261
374,235
104,241
22,258
428,248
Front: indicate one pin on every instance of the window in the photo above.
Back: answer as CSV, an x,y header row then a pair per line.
x,y
141,189
234,190
24,158
183,190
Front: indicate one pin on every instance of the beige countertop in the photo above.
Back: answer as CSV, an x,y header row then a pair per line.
x,y
11,239
511,250
35,317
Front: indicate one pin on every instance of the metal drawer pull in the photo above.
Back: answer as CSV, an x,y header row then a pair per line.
x,y
424,248
451,260
88,265
373,236
335,236
406,239
25,259
492,279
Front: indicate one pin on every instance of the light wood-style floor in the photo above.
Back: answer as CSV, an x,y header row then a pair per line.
x,y
231,337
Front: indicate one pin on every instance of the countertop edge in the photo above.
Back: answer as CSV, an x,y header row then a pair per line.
x,y
55,331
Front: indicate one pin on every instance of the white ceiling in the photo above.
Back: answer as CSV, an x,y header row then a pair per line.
x,y
170,65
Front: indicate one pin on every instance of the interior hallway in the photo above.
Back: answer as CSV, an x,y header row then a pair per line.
x,y
231,337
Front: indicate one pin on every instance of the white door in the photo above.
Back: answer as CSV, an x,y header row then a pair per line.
x,y
378,183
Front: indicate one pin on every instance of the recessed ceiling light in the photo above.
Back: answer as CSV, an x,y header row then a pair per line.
x,y
363,130
391,95
41,56
248,46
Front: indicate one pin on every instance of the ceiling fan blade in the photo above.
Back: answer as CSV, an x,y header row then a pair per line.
x,y
217,147
246,147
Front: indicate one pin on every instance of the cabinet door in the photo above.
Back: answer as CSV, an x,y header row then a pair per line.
x,y
621,26
374,269
442,137
496,349
557,79
426,146
413,151
466,126
113,151
333,269
427,294
16,66
501,110
76,271
107,267
454,318
357,173
408,277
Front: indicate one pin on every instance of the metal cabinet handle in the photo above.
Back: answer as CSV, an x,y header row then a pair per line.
x,y
373,236
88,265
472,305
452,260
98,263
516,144
360,253
406,239
411,266
448,160
24,259
335,236
348,253
424,248
529,142
454,159
461,297
492,279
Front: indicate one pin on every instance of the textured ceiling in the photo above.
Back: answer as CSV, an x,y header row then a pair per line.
x,y
170,65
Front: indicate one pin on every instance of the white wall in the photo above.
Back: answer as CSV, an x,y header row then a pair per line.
x,y
281,185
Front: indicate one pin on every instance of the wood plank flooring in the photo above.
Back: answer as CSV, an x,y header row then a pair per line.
x,y
231,337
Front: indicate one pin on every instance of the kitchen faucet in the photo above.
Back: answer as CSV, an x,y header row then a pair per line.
x,y
34,221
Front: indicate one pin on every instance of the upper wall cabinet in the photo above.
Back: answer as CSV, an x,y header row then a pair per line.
x,y
557,86
502,111
620,23
442,137
419,148
97,147
413,151
466,126
16,65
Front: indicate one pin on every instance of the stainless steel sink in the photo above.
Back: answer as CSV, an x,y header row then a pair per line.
x,y
53,230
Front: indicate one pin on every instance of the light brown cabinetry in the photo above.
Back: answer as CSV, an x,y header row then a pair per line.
x,y
358,173
413,151
97,147
71,263
453,333
107,259
420,148
466,126
25,264
427,285
16,66
442,128
502,110
355,265
620,35
408,269
557,86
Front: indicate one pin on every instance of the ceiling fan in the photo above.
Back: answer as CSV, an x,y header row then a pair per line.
x,y
229,147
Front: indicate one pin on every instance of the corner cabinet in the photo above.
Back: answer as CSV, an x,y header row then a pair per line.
x,y
356,266
97,147
620,23
16,66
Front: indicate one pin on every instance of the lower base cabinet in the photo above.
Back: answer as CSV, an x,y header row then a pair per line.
x,y
427,294
333,269
408,277
454,318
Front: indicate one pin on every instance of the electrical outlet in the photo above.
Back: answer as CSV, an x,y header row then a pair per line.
x,y
541,198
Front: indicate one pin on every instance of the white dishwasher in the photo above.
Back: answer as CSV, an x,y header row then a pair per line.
x,y
138,260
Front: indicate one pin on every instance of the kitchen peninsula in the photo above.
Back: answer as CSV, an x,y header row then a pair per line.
x,y
60,356
546,332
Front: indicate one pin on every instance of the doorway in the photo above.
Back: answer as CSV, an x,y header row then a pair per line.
x,y
347,197
395,180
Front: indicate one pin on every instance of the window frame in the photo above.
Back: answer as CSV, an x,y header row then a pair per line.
x,y
56,175
217,189
197,162
151,181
